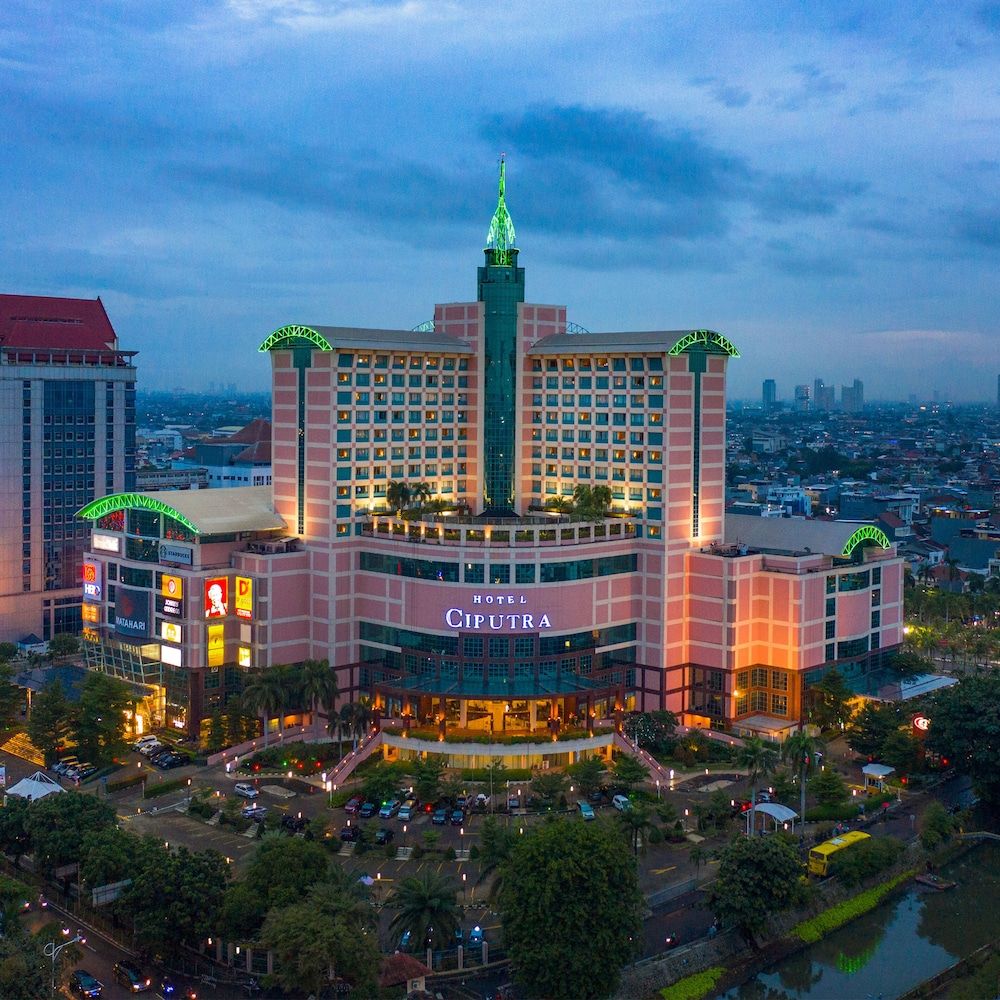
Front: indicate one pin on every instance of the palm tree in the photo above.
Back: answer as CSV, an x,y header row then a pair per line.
x,y
428,909
319,684
355,717
759,758
397,496
421,493
265,695
801,748
637,822
601,497
495,845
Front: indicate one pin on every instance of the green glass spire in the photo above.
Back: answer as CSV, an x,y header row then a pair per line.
x,y
501,239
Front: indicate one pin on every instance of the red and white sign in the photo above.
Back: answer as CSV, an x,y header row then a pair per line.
x,y
921,724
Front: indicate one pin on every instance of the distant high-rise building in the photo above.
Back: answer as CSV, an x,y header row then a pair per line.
x,y
998,392
852,397
802,398
770,393
67,402
823,395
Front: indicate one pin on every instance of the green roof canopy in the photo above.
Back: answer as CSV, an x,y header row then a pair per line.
x,y
295,336
866,533
131,501
709,340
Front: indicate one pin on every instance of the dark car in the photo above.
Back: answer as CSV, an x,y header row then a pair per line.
x,y
171,760
131,978
368,810
256,813
384,836
353,804
349,834
440,817
85,985
294,824
457,817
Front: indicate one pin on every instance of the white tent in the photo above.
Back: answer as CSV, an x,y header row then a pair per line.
x,y
35,787
781,815
875,774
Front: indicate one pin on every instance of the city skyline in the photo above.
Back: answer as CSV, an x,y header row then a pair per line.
x,y
810,182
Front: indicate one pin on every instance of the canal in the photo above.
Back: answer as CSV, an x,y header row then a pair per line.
x,y
890,950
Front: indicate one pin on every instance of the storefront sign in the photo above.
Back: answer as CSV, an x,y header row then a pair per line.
x,y
217,597
244,597
216,645
132,615
920,725
105,543
458,618
92,579
171,586
171,552
170,631
171,606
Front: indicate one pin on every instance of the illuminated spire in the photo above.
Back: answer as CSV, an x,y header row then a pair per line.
x,y
501,239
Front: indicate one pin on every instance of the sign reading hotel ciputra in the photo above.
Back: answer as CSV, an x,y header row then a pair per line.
x,y
514,621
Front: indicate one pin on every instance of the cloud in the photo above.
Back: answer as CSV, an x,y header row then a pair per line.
x,y
980,226
814,87
802,259
989,16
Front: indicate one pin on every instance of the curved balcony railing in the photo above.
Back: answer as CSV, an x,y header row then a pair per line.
x,y
511,535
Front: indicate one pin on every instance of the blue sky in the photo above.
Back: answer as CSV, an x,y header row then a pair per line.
x,y
819,181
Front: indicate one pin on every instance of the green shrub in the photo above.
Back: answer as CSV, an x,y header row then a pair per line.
x,y
340,797
693,987
818,927
201,807
482,774
937,827
449,854
474,852
122,783
868,858
820,813
165,786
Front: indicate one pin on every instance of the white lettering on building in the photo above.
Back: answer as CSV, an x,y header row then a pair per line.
x,y
517,622
499,599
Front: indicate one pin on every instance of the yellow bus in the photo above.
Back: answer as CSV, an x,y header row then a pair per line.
x,y
821,855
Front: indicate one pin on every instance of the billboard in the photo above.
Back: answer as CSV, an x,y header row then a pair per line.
x,y
243,656
216,645
244,597
217,597
172,552
90,613
105,543
172,586
170,631
132,612
93,578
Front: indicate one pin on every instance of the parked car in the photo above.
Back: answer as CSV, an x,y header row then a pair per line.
x,y
457,817
367,810
150,748
349,834
407,810
245,790
440,817
256,813
84,984
171,761
389,809
295,824
482,800
65,764
513,802
384,836
476,937
586,810
353,804
621,802
131,978
144,741
763,797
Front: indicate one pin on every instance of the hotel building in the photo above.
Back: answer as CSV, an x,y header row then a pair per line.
x,y
482,607
67,435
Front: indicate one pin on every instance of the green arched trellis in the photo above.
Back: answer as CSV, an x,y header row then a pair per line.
x,y
132,501
867,533
708,339
295,336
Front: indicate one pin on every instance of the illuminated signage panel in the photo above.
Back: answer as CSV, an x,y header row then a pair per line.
x,y
217,597
93,578
495,617
132,615
216,645
171,586
244,597
170,631
172,552
105,543
90,613
170,655
243,656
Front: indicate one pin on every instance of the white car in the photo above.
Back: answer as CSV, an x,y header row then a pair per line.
x,y
144,741
150,748
245,790
621,803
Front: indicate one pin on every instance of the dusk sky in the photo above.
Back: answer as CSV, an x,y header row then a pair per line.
x,y
819,181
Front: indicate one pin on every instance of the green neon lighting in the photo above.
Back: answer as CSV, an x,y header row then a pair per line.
x,y
133,501
501,238
868,533
709,339
426,327
295,336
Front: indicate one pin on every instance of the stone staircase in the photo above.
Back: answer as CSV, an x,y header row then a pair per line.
x,y
19,745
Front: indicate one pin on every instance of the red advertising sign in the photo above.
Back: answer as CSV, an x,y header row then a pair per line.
x,y
920,725
217,597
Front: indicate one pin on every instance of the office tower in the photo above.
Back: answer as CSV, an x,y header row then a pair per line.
x,y
490,524
67,406
802,400
770,394
852,397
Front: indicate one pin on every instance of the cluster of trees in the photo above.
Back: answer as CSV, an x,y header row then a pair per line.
x,y
97,723
589,503
881,731
283,689
401,497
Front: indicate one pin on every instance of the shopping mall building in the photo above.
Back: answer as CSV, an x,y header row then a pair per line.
x,y
471,610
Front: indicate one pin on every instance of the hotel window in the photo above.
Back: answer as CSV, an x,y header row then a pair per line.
x,y
876,598
779,680
500,574
475,573
472,645
499,646
877,574
831,607
779,704
758,701
742,680
829,652
758,677
524,647
876,619
831,629
742,703
524,572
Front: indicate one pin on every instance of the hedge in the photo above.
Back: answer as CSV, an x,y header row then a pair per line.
x,y
849,809
693,987
482,774
819,926
165,786
129,782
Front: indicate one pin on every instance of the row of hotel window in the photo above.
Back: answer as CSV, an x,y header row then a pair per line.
x,y
554,572
584,664
418,362
573,382
757,701
585,417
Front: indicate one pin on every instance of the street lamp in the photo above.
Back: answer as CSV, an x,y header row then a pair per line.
x,y
461,843
52,950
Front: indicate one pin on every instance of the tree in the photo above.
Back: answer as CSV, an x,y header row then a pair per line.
x,y
757,877
760,758
937,827
319,684
330,935
101,719
653,731
587,773
496,842
50,720
14,836
698,855
869,729
25,970
380,782
564,876
800,750
421,493
965,729
216,732
906,664
427,777
828,787
8,652
63,644
265,695
637,822
11,697
426,907
548,786
397,496
629,772
109,855
58,824
829,700
901,750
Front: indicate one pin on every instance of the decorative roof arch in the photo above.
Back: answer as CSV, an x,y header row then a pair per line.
x,y
711,341
130,501
866,533
295,336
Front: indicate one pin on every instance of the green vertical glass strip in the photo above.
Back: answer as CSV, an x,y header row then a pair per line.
x,y
301,359
696,365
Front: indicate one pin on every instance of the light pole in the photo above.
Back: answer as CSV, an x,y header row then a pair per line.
x,y
52,950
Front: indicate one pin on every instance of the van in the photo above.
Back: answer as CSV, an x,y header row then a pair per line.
x,y
621,803
245,790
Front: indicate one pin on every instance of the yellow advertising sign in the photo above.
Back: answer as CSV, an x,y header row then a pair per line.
x,y
91,613
172,586
170,631
216,645
243,656
244,597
